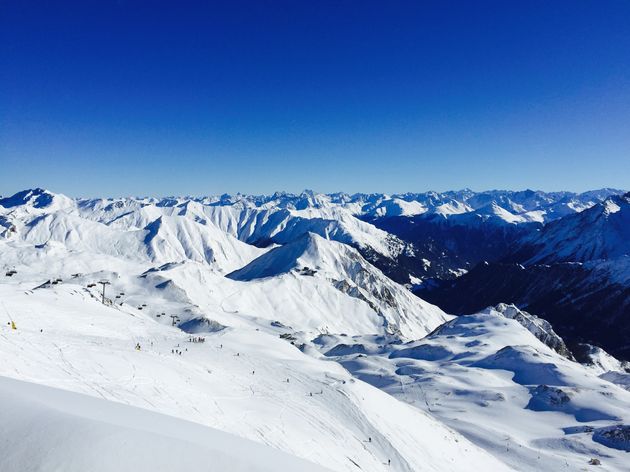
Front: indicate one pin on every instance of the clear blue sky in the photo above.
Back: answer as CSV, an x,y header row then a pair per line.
x,y
128,97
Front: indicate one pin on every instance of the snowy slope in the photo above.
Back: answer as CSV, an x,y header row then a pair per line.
x,y
280,225
490,378
574,272
44,428
37,200
243,380
600,232
387,207
495,214
309,348
345,269
282,218
141,233
502,205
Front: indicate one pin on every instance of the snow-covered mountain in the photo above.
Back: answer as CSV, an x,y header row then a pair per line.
x,y
246,379
491,377
408,236
278,320
342,267
601,232
575,272
457,230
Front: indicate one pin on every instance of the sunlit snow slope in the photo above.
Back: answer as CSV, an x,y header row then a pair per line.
x,y
231,319
48,429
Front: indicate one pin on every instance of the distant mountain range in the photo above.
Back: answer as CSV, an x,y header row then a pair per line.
x,y
440,331
574,271
561,255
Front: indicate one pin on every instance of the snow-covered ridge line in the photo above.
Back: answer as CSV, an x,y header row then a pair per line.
x,y
379,225
371,204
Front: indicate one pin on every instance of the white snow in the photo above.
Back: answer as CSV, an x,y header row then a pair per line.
x,y
490,378
235,381
318,262
44,428
310,351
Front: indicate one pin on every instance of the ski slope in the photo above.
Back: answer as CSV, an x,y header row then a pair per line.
x,y
491,377
246,381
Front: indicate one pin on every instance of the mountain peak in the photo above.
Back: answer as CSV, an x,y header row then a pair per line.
x,y
39,198
307,249
35,198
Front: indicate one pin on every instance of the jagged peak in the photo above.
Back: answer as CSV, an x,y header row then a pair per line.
x,y
539,327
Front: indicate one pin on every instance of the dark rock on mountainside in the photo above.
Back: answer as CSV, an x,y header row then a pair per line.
x,y
574,272
449,245
580,306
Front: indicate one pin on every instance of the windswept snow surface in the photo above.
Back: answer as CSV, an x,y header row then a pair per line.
x,y
47,429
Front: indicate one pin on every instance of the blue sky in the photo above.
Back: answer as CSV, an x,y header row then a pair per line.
x,y
129,97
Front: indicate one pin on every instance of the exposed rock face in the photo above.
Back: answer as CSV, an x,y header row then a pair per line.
x,y
582,302
599,359
617,437
546,398
540,328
